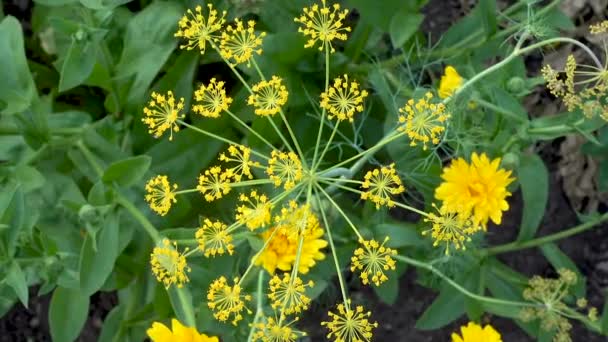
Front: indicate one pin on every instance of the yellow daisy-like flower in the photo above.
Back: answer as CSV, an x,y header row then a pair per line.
x,y
450,82
213,238
241,155
478,189
381,184
160,194
214,183
168,265
239,42
450,228
343,99
198,30
178,333
423,121
373,259
271,329
349,325
212,99
473,332
289,296
268,96
284,169
255,210
324,24
281,251
227,301
162,114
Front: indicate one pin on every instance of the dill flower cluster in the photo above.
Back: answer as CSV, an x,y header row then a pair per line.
x,y
423,121
372,260
343,99
271,329
349,324
214,183
199,30
160,194
450,228
162,114
240,157
289,295
211,99
284,168
178,332
168,265
227,301
380,184
474,332
323,24
268,96
239,42
255,212
214,239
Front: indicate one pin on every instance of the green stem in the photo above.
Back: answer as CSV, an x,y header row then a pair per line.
x,y
498,109
88,155
253,131
327,144
139,217
259,311
557,128
323,111
339,209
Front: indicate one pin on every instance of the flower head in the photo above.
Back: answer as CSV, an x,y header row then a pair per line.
x,y
226,301
241,156
213,238
284,169
162,114
239,42
473,332
478,189
450,228
289,295
296,220
272,329
168,265
348,325
268,96
324,24
160,194
198,30
343,99
380,185
212,99
450,82
178,332
601,27
373,259
255,210
214,183
423,121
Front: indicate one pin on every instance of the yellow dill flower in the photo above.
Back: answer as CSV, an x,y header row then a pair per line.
x,y
450,228
478,189
450,82
268,96
284,168
372,260
214,183
473,332
295,220
162,114
198,30
601,27
271,329
212,99
281,251
343,99
255,210
241,155
323,24
213,238
168,265
349,325
178,333
226,301
423,121
288,296
160,194
239,43
381,184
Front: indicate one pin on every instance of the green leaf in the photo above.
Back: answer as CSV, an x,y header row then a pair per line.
x,y
488,15
111,330
78,63
534,180
447,307
96,265
559,259
389,290
14,217
181,300
400,234
67,314
103,4
15,278
127,171
604,318
403,26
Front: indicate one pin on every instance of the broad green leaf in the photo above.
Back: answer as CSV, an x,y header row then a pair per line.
x,y
29,178
559,259
96,265
127,171
103,4
15,278
447,307
400,234
111,330
181,300
14,218
80,59
388,291
403,26
488,16
68,312
534,180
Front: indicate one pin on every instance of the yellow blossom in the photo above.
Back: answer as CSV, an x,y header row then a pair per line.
x,y
372,260
214,183
478,189
473,332
268,96
289,296
198,30
212,99
162,114
601,27
295,220
272,329
241,155
255,210
178,333
168,265
450,82
239,43
160,194
348,325
284,168
423,121
450,228
213,238
226,301
343,99
324,24
381,184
